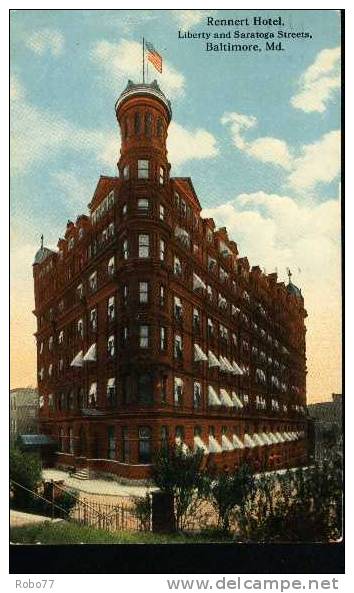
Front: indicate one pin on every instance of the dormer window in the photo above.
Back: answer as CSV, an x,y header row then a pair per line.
x,y
111,308
80,328
111,266
137,123
143,169
93,281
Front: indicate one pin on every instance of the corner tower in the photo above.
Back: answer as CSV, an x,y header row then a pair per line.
x,y
143,113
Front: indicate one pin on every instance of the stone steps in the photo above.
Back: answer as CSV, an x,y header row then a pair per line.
x,y
82,474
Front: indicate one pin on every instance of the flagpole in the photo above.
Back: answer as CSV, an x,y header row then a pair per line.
x,y
143,60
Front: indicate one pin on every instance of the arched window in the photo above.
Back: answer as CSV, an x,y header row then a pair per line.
x,y
159,127
144,444
137,123
148,123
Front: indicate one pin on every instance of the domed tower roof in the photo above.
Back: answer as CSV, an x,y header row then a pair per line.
x,y
42,254
294,290
143,89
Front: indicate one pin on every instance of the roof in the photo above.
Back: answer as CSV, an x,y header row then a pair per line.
x,y
37,440
144,88
42,254
292,289
188,187
104,185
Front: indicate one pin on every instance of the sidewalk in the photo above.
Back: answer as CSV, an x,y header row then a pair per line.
x,y
99,487
18,519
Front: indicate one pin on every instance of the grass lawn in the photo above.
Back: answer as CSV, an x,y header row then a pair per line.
x,y
72,533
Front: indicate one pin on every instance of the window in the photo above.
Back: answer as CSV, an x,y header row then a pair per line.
x,y
61,305
164,389
125,334
111,268
124,210
145,444
71,243
196,320
144,336
162,249
143,292
71,400
210,328
137,123
183,208
111,308
111,442
50,370
177,268
164,436
125,249
161,175
148,124
93,281
143,169
50,401
125,445
145,389
41,348
209,293
143,205
197,395
93,319
61,365
159,127
80,328
178,391
111,390
111,346
92,396
50,344
61,337
162,295
163,342
144,245
162,212
178,347
125,294
178,309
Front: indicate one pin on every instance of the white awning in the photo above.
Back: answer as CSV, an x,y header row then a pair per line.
x,y
181,233
265,437
213,398
258,440
236,400
226,443
111,382
237,369
78,360
234,310
178,382
279,437
181,444
91,354
199,355
229,366
93,389
199,444
225,398
249,442
198,282
286,436
237,443
213,360
223,365
214,446
273,438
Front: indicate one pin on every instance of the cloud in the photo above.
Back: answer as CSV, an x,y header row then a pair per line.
x,y
319,82
306,166
184,145
75,187
266,149
122,61
38,134
278,231
46,40
189,18
318,162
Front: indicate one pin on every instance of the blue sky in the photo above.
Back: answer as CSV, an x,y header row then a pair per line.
x,y
257,132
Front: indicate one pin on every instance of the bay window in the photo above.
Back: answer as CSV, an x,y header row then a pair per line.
x,y
144,246
143,169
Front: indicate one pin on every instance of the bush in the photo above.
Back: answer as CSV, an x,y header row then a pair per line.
x,y
26,470
142,510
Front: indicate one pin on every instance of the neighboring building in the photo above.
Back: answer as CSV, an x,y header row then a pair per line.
x,y
151,329
327,424
23,412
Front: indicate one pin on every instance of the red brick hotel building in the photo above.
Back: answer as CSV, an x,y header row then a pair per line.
x,y
150,328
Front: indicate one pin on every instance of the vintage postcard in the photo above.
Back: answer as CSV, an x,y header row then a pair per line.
x,y
176,297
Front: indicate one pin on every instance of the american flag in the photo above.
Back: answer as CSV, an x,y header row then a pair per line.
x,y
153,56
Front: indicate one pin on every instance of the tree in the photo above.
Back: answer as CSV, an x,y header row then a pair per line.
x,y
26,470
229,491
178,473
